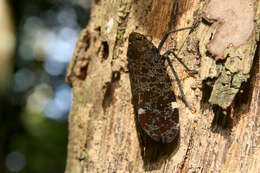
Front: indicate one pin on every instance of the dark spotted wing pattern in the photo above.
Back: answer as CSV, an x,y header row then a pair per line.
x,y
153,99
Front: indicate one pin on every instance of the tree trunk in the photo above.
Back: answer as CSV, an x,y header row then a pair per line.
x,y
102,129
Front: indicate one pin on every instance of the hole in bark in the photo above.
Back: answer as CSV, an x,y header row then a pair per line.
x,y
83,72
104,50
115,76
98,29
211,36
208,53
108,97
110,89
206,92
206,22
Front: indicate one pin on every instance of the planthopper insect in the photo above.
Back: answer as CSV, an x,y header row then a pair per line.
x,y
154,101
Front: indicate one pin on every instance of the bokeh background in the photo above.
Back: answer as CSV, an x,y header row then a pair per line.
x,y
37,38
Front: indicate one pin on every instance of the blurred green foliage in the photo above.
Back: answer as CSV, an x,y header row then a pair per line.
x,y
33,122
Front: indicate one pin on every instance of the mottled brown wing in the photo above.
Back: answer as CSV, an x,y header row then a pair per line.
x,y
152,96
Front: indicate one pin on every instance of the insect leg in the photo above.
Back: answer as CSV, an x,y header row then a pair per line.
x,y
179,59
165,55
168,33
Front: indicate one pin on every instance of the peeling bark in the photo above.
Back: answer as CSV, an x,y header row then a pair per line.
x,y
228,47
235,23
102,132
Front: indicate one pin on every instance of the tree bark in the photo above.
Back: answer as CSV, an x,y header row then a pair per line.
x,y
102,130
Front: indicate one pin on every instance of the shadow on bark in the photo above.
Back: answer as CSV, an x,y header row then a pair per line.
x,y
225,120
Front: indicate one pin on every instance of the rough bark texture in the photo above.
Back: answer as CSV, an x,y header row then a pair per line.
x,y
231,38
102,132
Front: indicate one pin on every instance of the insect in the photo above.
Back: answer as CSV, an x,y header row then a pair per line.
x,y
153,99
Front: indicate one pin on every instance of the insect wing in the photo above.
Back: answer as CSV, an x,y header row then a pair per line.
x,y
154,101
